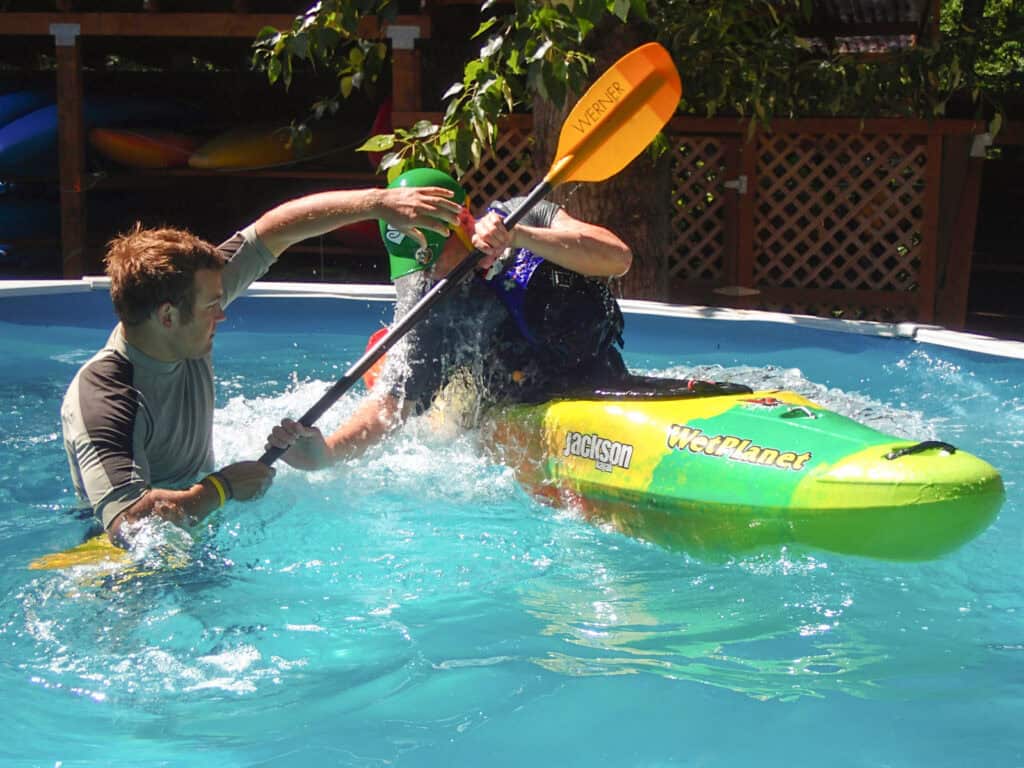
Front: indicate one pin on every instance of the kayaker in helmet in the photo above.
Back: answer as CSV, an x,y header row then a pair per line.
x,y
536,318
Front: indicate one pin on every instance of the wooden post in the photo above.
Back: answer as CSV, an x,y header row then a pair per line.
x,y
930,231
70,148
406,69
952,294
747,202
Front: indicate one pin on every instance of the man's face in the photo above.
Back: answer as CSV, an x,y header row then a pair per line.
x,y
452,253
196,336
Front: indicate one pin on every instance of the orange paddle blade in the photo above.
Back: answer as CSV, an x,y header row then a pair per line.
x,y
618,116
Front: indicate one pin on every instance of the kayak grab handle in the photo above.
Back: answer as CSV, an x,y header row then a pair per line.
x,y
800,411
925,445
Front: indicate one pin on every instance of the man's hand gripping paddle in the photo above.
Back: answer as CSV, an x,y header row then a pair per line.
x,y
614,121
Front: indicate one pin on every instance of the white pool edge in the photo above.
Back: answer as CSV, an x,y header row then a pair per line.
x,y
930,334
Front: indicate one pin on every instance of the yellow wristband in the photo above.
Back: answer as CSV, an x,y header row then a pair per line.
x,y
215,482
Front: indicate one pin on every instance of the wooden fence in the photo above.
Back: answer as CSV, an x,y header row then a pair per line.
x,y
845,218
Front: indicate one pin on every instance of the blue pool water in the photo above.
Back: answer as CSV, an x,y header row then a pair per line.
x,y
416,608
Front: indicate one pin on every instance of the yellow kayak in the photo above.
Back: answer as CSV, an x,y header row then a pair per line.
x,y
716,467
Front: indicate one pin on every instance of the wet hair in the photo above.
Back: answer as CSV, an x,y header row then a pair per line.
x,y
148,267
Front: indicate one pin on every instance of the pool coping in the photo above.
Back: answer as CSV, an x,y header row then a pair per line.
x,y
929,334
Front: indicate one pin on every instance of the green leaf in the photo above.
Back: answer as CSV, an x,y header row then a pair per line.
x,y
542,49
379,143
324,40
286,71
621,9
639,9
453,111
463,149
507,93
299,46
303,23
484,26
273,70
479,126
513,63
996,123
536,79
390,160
454,89
422,129
554,84
395,170
491,47
660,145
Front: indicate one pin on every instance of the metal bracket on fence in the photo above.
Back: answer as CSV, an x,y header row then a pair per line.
x,y
980,144
403,37
739,184
65,34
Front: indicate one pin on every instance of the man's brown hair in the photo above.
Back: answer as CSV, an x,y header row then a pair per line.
x,y
148,267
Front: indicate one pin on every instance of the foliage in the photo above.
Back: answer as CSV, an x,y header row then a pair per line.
x,y
537,48
985,44
763,63
329,35
751,58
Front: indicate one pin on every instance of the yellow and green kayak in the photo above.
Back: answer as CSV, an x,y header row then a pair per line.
x,y
718,468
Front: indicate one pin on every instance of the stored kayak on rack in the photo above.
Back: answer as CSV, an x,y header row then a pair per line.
x,y
143,148
715,467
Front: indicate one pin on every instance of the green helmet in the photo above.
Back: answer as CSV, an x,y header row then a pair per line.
x,y
406,254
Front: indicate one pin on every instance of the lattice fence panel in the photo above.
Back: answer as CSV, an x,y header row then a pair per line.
x,y
839,211
696,252
504,172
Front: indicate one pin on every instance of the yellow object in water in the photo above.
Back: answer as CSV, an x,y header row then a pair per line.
x,y
93,551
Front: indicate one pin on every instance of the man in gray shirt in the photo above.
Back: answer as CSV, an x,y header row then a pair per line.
x,y
138,417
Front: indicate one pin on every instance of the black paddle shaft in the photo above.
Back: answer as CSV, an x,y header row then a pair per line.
x,y
442,288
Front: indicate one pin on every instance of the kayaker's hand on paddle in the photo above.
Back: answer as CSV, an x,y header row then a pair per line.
x,y
409,209
491,237
305,447
248,479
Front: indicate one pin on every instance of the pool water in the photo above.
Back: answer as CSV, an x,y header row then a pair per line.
x,y
415,607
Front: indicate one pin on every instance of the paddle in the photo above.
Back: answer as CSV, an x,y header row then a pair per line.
x,y
611,124
90,552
